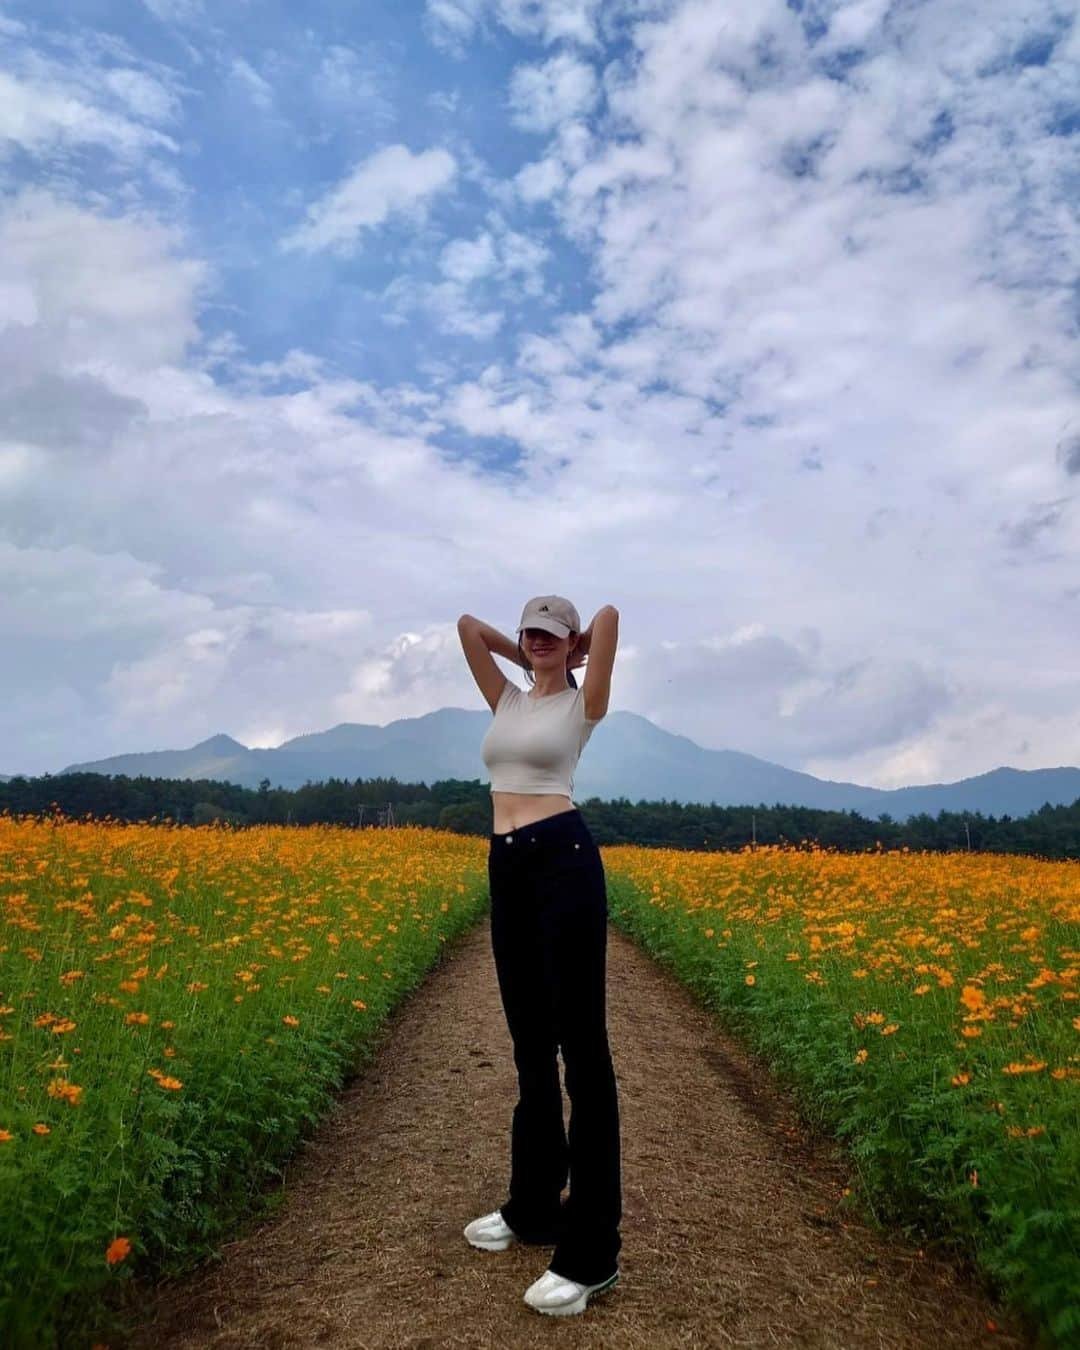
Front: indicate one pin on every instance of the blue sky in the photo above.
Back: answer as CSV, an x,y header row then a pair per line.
x,y
321,325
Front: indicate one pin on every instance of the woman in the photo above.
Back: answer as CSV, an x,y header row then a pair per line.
x,y
549,938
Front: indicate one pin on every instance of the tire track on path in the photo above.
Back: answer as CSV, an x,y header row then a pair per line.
x,y
732,1232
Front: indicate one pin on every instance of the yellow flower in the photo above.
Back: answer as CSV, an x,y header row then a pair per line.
x,y
61,1089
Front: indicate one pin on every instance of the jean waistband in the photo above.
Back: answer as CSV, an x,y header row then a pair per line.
x,y
564,825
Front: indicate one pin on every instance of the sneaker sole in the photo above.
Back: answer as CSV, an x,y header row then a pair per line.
x,y
579,1304
490,1244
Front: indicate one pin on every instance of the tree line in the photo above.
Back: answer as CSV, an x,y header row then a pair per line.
x,y
464,806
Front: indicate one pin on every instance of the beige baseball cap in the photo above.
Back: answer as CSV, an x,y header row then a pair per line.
x,y
553,613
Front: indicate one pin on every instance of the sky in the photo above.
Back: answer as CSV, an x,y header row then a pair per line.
x,y
323,325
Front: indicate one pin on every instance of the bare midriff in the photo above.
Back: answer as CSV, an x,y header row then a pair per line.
x,y
514,809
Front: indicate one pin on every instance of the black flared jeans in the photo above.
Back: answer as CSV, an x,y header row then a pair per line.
x,y
549,917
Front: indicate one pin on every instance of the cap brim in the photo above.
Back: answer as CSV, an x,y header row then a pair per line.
x,y
552,626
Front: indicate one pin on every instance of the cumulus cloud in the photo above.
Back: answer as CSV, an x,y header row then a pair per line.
x,y
465,260
119,298
773,308
479,277
391,181
830,338
543,96
210,550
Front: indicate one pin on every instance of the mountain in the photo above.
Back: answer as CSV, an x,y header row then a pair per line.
x,y
627,756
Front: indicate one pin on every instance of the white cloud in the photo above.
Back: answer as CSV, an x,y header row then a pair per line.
x,y
538,181
816,398
450,303
146,97
452,23
259,89
501,253
40,116
99,291
481,276
457,314
852,24
393,180
174,529
524,257
465,260
829,342
560,90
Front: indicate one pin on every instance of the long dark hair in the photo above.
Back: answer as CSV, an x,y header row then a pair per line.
x,y
529,676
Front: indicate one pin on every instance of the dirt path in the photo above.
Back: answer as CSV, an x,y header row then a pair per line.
x,y
731,1231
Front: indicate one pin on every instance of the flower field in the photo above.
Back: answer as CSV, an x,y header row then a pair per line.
x,y
925,1008
177,1007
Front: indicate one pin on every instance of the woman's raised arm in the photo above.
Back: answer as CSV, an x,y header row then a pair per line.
x,y
494,641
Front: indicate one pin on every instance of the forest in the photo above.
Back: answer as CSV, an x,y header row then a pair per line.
x,y
464,806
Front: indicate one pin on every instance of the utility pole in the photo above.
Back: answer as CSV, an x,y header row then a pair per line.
x,y
967,831
753,828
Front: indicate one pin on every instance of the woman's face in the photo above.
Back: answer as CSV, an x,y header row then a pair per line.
x,y
544,649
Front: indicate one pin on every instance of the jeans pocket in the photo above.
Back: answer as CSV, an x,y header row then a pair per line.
x,y
569,852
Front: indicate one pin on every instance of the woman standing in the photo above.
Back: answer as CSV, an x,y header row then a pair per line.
x,y
549,938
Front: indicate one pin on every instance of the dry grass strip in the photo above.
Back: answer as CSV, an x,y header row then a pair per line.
x,y
732,1235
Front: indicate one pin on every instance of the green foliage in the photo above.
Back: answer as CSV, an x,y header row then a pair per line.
x,y
176,1172
915,1142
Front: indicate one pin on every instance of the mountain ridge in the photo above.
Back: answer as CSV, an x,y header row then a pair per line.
x,y
628,757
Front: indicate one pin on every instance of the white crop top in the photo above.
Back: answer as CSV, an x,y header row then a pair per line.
x,y
533,744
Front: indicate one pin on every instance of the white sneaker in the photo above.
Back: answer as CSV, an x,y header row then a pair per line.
x,y
552,1293
492,1232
